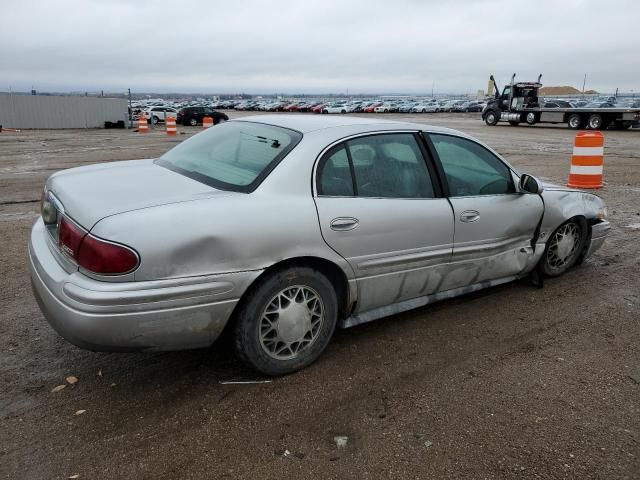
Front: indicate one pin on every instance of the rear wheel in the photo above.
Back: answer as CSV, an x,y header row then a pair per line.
x,y
564,247
531,118
287,321
595,122
575,121
155,120
491,118
193,122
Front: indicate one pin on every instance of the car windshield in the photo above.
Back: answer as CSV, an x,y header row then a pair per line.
x,y
231,156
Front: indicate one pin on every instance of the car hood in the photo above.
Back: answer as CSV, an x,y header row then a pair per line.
x,y
89,194
554,186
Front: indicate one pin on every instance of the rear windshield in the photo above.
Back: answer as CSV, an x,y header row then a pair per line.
x,y
231,156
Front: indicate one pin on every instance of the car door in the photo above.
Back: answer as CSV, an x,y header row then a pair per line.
x,y
380,208
494,225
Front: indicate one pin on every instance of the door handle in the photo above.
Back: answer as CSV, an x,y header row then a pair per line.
x,y
469,216
343,224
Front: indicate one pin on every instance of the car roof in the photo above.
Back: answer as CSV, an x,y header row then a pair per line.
x,y
311,123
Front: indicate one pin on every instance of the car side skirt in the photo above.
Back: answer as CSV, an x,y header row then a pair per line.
x,y
418,302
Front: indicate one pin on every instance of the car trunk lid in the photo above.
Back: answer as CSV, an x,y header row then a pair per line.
x,y
89,194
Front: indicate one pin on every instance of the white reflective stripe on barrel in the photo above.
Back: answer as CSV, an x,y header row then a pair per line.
x,y
588,151
586,170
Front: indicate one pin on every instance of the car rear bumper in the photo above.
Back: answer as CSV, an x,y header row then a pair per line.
x,y
599,232
170,314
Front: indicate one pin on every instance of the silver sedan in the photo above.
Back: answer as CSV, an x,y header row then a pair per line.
x,y
280,228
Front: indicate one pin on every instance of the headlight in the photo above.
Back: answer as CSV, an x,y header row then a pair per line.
x,y
602,214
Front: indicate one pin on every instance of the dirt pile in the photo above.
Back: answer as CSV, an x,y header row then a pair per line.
x,y
565,90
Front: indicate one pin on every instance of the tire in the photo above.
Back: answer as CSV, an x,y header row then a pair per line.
x,y
491,118
575,121
595,122
559,256
531,118
514,123
193,122
622,126
258,340
155,120
343,111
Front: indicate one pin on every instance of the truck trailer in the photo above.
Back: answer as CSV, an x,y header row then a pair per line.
x,y
519,103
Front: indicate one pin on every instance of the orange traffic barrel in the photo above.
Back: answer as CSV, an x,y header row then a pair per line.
x,y
143,126
207,122
587,161
170,123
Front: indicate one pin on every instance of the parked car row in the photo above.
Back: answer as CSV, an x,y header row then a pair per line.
x,y
600,102
184,116
359,106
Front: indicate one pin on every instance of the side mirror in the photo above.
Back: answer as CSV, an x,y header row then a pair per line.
x,y
530,184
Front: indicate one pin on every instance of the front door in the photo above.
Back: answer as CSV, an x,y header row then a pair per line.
x,y
379,209
494,225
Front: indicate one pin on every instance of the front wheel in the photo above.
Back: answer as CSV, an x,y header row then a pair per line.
x,y
491,118
564,247
287,321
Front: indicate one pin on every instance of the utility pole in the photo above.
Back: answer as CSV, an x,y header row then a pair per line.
x,y
130,111
584,82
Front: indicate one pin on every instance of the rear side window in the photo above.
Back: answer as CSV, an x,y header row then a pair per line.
x,y
334,174
390,166
233,155
377,166
471,169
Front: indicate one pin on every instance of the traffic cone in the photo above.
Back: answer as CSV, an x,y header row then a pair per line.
x,y
143,126
587,161
170,123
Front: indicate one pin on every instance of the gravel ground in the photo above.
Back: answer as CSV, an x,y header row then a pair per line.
x,y
511,382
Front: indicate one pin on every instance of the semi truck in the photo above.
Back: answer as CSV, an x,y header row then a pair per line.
x,y
519,103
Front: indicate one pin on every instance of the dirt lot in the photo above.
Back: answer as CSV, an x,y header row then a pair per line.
x,y
513,382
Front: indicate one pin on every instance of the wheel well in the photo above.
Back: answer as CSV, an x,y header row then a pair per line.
x,y
332,271
587,224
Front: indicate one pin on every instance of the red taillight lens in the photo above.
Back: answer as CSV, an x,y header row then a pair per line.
x,y
106,258
70,237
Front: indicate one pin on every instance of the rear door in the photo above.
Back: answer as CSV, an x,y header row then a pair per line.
x,y
494,225
380,208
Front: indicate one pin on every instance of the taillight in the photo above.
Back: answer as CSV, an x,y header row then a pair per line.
x,y
70,237
94,254
106,258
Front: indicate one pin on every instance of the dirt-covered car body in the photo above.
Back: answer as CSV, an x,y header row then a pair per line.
x,y
198,249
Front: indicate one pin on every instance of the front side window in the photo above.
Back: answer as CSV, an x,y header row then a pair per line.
x,y
231,156
470,168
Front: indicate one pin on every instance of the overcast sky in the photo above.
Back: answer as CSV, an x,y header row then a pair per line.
x,y
402,46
